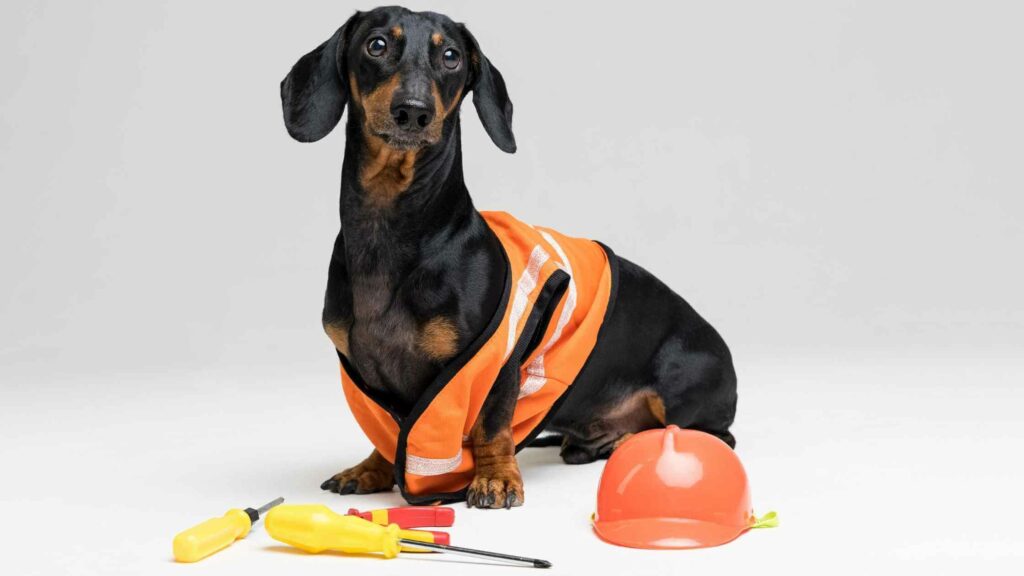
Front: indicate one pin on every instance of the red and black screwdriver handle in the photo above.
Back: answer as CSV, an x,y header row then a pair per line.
x,y
411,517
408,516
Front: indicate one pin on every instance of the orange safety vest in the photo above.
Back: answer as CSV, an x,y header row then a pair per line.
x,y
559,287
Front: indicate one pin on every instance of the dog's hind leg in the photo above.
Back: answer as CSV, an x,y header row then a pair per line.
x,y
696,390
580,451
545,441
611,426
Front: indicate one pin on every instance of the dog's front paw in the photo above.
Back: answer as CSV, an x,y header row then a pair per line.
x,y
375,474
498,487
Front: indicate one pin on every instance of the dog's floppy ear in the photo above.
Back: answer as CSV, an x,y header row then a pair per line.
x,y
314,93
490,96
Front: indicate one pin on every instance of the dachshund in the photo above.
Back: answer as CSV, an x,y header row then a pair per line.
x,y
417,273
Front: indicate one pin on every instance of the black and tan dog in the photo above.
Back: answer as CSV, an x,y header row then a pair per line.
x,y
417,273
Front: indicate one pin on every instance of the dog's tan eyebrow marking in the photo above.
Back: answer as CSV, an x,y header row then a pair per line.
x,y
436,38
396,31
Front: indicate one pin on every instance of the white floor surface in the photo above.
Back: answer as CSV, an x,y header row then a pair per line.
x,y
892,466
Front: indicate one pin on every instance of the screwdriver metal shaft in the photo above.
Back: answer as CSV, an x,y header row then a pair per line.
x,y
536,563
316,528
263,509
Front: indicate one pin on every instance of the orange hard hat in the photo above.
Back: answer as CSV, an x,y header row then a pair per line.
x,y
672,488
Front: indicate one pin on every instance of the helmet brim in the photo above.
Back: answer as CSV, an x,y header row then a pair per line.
x,y
666,533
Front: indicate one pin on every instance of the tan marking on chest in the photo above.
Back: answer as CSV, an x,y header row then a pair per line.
x,y
438,338
339,335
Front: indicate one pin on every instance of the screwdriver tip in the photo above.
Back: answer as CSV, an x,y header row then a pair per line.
x,y
541,564
263,509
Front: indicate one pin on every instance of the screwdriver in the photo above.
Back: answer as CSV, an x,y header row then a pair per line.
x,y
215,534
419,536
408,516
413,517
315,528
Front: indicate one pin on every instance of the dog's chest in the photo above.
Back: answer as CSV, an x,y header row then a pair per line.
x,y
384,349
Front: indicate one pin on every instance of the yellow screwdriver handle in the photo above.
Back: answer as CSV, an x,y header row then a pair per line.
x,y
215,534
315,528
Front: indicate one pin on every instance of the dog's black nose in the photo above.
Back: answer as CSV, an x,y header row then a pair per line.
x,y
412,115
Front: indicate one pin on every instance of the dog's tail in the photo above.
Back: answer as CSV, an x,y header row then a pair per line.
x,y
545,441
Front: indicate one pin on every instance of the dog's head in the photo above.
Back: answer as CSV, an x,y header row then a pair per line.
x,y
404,73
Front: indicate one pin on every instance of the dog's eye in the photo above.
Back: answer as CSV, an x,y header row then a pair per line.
x,y
451,58
376,47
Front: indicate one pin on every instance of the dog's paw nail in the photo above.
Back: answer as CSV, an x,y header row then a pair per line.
x,y
476,499
328,484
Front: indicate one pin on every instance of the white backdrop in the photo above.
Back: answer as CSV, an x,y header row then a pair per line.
x,y
831,184
814,177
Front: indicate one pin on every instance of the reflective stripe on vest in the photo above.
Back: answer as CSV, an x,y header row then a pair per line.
x,y
556,284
